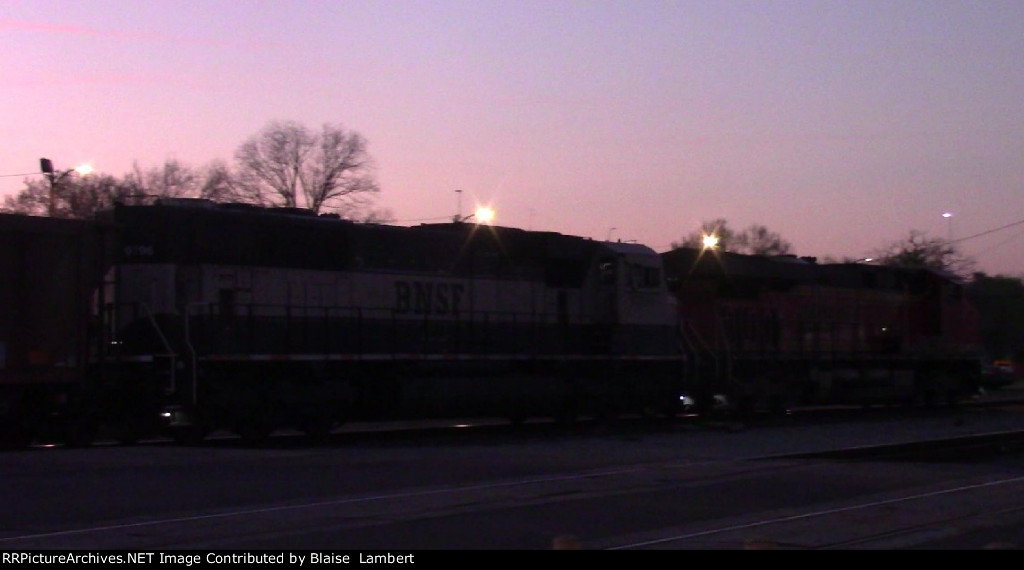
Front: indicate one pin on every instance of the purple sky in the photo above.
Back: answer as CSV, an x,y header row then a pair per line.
x,y
841,125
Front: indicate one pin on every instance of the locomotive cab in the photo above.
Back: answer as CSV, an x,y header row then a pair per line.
x,y
633,295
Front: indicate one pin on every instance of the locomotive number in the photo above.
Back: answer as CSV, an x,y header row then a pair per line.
x,y
138,251
424,298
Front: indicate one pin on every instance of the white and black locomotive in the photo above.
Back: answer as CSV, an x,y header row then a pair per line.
x,y
253,319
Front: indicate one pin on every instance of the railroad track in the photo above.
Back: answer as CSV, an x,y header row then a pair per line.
x,y
986,508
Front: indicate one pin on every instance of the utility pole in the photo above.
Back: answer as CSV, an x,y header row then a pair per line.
x,y
46,166
55,178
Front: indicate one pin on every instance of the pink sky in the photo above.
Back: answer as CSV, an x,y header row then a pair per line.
x,y
840,125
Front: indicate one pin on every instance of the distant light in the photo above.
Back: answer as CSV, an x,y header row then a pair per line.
x,y
484,215
710,242
947,214
84,169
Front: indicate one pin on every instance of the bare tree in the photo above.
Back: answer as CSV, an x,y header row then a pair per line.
x,y
918,250
755,240
93,193
216,182
376,216
173,180
33,200
718,228
758,240
286,164
73,197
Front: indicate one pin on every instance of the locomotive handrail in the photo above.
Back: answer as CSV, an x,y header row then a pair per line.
x,y
698,345
192,351
163,339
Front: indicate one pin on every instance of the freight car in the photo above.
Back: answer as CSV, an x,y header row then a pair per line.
x,y
252,319
770,333
50,269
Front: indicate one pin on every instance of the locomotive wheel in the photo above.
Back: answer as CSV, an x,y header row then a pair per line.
x,y
568,414
15,437
188,435
127,435
517,413
128,430
81,433
317,426
254,431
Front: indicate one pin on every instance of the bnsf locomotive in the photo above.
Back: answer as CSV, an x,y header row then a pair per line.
x,y
226,316
776,332
188,316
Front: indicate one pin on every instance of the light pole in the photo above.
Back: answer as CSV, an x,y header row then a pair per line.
x,y
55,178
949,217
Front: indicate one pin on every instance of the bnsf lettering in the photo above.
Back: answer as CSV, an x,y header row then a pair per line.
x,y
422,298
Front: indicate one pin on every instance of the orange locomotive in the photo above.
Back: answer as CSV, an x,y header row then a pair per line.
x,y
770,333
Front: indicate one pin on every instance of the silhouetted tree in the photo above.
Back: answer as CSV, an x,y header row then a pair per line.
x,y
758,240
918,250
286,164
178,180
718,228
173,180
78,196
33,200
217,182
376,216
755,240
73,197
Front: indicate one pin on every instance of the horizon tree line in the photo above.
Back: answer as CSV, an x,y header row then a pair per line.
x,y
285,164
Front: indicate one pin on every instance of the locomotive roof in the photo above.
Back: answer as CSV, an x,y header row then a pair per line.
x,y
630,248
788,271
200,231
29,224
699,263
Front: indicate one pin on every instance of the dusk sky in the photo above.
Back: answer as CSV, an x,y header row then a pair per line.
x,y
841,125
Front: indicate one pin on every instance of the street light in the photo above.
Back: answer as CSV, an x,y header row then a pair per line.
x,y
949,216
55,178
